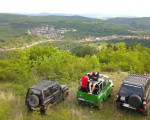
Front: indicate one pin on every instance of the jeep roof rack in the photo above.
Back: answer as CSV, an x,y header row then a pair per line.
x,y
43,84
136,79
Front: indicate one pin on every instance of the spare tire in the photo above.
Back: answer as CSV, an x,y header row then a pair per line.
x,y
135,101
33,101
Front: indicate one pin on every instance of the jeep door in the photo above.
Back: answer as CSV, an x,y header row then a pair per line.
x,y
57,92
48,95
106,88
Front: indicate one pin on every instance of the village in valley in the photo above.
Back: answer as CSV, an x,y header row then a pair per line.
x,y
49,31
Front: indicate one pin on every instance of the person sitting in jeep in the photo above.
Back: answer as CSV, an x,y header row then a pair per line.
x,y
90,76
94,81
95,76
84,82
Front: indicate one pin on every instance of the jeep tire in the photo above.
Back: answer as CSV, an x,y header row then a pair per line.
x,y
49,107
146,111
101,105
111,93
119,106
66,94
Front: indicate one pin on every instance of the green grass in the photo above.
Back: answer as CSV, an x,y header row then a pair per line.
x,y
70,109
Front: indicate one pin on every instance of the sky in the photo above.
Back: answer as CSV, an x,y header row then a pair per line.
x,y
116,7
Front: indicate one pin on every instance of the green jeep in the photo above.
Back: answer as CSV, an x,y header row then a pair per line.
x,y
102,90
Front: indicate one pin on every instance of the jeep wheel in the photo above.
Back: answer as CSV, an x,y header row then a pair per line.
x,y
66,94
29,109
146,111
118,106
111,93
81,102
101,105
33,101
49,107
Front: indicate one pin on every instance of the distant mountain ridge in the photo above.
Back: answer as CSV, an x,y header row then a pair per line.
x,y
123,20
89,15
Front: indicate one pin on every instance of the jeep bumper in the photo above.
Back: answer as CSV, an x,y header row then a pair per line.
x,y
35,108
128,105
83,101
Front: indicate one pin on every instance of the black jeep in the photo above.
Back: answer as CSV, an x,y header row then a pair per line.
x,y
134,93
45,94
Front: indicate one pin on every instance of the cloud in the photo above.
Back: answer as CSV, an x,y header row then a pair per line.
x,y
137,7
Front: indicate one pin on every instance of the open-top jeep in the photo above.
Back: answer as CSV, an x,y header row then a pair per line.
x,y
45,94
134,93
102,90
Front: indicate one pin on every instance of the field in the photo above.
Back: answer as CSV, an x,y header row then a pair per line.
x,y
12,100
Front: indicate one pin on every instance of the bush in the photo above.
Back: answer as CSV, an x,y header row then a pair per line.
x,y
110,67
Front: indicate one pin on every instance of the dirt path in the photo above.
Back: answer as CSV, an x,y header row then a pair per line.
x,y
29,45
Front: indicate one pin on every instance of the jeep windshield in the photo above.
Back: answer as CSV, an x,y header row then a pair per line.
x,y
34,92
127,90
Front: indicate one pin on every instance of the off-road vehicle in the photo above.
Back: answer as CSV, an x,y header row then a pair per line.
x,y
45,94
102,90
134,93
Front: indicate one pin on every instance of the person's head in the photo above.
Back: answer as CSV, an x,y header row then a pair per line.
x,y
95,71
91,73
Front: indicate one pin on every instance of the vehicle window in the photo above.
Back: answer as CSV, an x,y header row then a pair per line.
x,y
130,89
56,88
107,81
104,84
101,87
47,92
35,92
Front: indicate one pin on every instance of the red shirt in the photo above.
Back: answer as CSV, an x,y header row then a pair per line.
x,y
84,80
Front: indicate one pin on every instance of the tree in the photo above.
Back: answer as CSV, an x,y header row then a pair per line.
x,y
94,61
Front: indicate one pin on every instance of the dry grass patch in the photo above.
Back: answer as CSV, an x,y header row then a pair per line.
x,y
8,96
19,116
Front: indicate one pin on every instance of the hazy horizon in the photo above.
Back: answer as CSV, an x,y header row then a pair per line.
x,y
99,8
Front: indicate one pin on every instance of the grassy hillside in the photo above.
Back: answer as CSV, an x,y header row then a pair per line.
x,y
22,68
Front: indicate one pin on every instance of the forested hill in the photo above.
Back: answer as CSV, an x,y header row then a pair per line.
x,y
50,18
138,23
121,20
